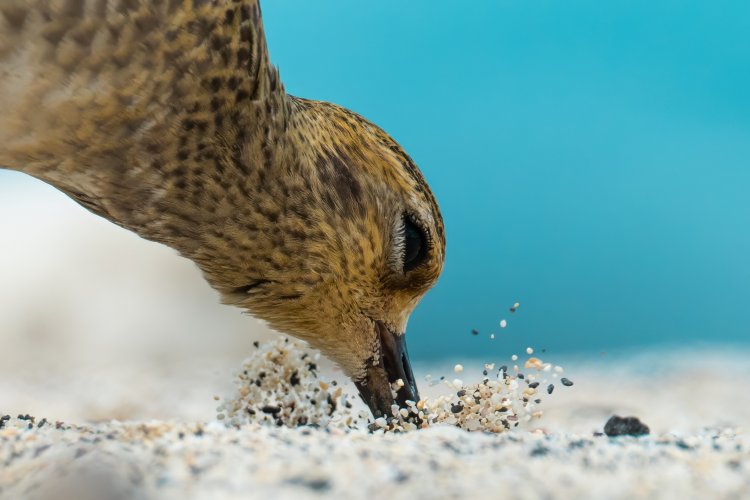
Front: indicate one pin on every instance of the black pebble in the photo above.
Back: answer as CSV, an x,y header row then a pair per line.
x,y
457,408
550,388
566,382
474,331
534,385
625,426
271,409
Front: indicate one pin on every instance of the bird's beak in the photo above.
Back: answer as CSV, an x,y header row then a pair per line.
x,y
375,387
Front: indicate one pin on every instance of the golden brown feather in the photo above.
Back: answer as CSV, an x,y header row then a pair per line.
x,y
167,118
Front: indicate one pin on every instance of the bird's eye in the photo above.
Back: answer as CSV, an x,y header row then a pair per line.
x,y
415,244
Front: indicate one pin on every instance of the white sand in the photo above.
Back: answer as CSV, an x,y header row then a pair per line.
x,y
165,460
151,343
695,405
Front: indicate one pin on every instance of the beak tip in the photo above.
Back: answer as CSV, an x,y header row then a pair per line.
x,y
375,388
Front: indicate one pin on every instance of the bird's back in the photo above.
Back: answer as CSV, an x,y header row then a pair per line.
x,y
102,95
71,73
93,77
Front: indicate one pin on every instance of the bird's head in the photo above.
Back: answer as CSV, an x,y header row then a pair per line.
x,y
346,239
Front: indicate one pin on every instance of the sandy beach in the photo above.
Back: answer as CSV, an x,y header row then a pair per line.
x,y
698,447
131,379
169,460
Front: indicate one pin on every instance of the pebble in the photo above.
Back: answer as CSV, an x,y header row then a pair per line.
x,y
503,323
458,368
566,382
625,426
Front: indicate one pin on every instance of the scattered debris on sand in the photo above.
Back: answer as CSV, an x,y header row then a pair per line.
x,y
625,426
280,386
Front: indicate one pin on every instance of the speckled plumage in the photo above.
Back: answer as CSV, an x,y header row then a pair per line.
x,y
167,118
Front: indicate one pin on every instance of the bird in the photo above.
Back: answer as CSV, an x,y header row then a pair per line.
x,y
167,118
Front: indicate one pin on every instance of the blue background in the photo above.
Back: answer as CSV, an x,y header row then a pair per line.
x,y
591,159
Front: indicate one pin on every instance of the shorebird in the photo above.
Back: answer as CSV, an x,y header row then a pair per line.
x,y
167,118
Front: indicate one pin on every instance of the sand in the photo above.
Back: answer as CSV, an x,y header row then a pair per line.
x,y
109,326
692,401
169,460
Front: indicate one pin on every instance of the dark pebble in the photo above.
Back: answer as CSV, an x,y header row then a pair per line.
x,y
273,410
474,331
318,485
550,388
625,426
457,408
539,451
566,382
461,393
534,385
